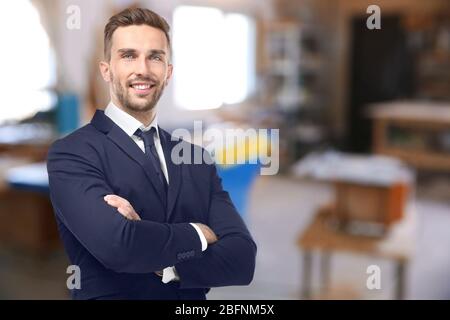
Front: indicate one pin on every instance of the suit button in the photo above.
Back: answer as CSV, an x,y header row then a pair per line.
x,y
182,255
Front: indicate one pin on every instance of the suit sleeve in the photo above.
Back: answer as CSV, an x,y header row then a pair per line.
x,y
77,187
229,261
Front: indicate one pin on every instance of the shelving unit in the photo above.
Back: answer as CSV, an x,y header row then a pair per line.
x,y
282,61
418,133
429,37
292,85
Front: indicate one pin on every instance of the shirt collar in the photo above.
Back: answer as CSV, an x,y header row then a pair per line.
x,y
127,122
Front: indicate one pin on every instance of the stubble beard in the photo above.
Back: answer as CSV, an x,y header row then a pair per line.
x,y
123,96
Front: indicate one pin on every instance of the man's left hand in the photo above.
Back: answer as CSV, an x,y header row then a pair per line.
x,y
123,206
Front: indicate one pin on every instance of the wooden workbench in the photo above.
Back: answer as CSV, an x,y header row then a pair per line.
x,y
397,245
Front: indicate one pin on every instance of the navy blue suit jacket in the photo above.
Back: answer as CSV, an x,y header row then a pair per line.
x,y
117,257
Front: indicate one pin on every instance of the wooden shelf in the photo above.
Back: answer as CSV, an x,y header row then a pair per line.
x,y
418,118
420,159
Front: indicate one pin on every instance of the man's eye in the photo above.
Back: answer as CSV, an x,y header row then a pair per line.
x,y
157,58
128,56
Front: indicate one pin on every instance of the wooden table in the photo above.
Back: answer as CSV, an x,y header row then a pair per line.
x,y
27,217
397,245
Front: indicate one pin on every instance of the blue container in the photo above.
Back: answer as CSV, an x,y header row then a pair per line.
x,y
238,181
68,113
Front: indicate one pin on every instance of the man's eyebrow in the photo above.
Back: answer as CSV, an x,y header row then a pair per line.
x,y
126,50
157,51
153,51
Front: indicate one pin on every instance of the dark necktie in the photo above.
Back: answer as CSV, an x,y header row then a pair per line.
x,y
150,149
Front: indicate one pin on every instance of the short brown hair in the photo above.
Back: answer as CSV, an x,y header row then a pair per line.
x,y
133,16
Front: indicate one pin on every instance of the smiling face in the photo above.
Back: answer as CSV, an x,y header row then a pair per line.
x,y
139,67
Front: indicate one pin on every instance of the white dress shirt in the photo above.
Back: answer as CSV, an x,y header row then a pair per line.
x,y
129,124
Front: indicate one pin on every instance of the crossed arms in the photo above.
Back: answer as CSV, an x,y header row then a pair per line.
x,y
77,190
125,208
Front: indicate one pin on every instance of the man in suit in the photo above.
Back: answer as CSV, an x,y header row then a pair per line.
x,y
139,225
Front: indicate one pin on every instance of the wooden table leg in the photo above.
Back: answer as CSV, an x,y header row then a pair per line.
x,y
307,268
325,261
400,289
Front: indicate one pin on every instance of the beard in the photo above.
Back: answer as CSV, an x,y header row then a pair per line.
x,y
136,103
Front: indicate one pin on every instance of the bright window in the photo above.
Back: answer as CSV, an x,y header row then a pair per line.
x,y
26,62
214,57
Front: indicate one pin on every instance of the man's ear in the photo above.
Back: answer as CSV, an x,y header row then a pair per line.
x,y
169,73
105,71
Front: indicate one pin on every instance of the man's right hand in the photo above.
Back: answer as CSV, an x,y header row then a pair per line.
x,y
210,236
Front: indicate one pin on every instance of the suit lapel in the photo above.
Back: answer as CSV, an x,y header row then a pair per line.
x,y
127,145
174,171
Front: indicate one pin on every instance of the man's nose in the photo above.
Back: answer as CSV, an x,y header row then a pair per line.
x,y
142,67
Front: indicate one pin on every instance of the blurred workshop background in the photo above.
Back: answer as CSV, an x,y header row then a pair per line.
x,y
360,207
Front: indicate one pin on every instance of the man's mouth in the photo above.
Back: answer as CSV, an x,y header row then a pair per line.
x,y
142,88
